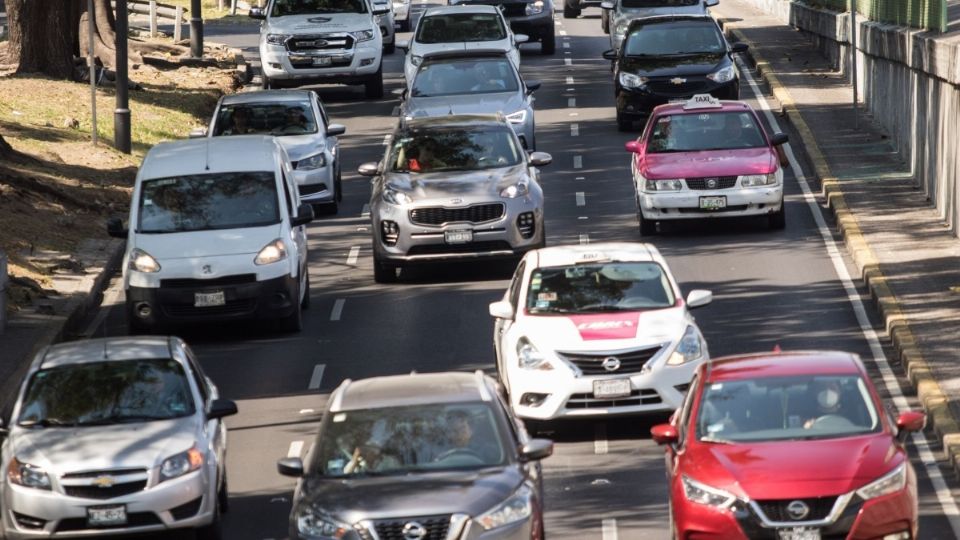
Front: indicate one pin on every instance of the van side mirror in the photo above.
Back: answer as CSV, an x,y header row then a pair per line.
x,y
632,146
540,159
304,215
502,310
609,54
221,408
115,228
910,422
257,13
608,5
520,38
290,467
336,129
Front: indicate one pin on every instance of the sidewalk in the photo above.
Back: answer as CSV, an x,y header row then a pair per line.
x,y
902,248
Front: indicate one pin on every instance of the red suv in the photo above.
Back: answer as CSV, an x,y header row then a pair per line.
x,y
791,446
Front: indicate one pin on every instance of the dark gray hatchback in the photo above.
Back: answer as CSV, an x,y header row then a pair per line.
x,y
419,457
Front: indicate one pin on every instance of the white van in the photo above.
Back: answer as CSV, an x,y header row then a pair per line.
x,y
216,232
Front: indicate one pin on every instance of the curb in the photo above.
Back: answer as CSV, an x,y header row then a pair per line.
x,y
931,396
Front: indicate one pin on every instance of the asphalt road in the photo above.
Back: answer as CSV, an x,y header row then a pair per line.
x,y
606,479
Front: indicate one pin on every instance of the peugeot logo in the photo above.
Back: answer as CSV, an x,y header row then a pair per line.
x,y
711,183
413,531
797,510
610,363
104,481
677,81
206,269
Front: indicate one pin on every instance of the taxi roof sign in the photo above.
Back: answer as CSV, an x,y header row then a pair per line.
x,y
702,101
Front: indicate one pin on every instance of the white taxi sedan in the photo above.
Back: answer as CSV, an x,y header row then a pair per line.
x,y
595,330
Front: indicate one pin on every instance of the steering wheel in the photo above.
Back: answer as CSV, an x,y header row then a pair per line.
x,y
466,452
832,421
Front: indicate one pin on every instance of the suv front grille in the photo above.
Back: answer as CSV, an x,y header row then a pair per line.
x,y
392,529
715,182
478,213
321,42
630,362
777,510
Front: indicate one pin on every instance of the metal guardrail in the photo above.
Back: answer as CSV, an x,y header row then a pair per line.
x,y
156,11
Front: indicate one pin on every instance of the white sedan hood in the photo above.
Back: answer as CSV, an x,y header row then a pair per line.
x,y
605,331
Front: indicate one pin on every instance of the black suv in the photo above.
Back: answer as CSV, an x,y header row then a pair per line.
x,y
531,17
427,456
669,58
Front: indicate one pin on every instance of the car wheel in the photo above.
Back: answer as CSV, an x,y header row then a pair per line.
x,y
338,186
605,22
777,221
305,302
648,227
213,530
624,123
373,88
548,44
293,323
570,12
382,272
223,496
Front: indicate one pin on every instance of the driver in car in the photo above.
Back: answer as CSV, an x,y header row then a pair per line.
x,y
827,394
461,440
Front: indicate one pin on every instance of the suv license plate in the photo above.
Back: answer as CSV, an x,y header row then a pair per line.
x,y
458,237
611,388
321,61
216,298
713,203
106,516
799,533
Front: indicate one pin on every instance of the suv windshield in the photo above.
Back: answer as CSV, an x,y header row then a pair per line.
x,y
705,131
465,76
678,38
401,440
630,4
101,393
289,118
461,27
209,201
596,288
786,408
311,7
454,149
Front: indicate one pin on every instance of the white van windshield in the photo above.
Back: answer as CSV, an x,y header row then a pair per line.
x,y
200,202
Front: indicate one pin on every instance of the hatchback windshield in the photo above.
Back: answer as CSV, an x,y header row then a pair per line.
x,y
310,7
106,393
705,131
596,288
629,4
209,201
465,76
679,38
460,27
407,439
786,408
288,118
458,149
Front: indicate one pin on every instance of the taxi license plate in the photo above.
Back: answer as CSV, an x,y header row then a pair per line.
x,y
458,237
209,299
106,516
321,61
611,388
799,533
713,203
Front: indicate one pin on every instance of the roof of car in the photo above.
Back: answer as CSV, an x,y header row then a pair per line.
x,y
210,155
618,251
267,96
412,389
783,364
677,107
460,8
106,350
453,120
672,17
465,54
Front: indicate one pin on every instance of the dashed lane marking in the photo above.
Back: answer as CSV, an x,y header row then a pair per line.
x,y
584,240
566,45
574,130
316,378
337,309
296,447
571,102
568,61
581,199
352,256
569,80
577,162
608,529
600,445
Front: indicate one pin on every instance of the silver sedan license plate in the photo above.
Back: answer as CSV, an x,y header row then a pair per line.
x,y
458,237
209,299
106,516
611,388
713,203
799,533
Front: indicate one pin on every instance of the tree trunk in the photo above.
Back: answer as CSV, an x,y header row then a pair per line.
x,y
43,36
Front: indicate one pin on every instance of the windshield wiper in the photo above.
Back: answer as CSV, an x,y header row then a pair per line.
x,y
124,419
46,422
715,440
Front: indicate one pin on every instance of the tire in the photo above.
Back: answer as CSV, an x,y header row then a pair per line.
x,y
305,303
382,272
570,12
624,123
391,48
777,221
293,323
648,227
548,44
338,186
265,82
373,88
605,22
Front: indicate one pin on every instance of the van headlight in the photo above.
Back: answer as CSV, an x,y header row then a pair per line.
x,y
141,261
517,508
277,39
181,464
891,482
273,252
629,80
757,180
529,357
314,523
706,495
363,35
722,75
26,475
534,8
689,349
310,163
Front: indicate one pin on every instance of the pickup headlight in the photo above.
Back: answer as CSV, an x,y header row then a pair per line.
x,y
310,163
529,357
416,60
722,75
673,184
277,39
891,482
141,261
629,80
273,252
517,508
393,196
363,35
689,349
316,524
534,8
519,189
26,475
181,464
706,495
757,180
518,117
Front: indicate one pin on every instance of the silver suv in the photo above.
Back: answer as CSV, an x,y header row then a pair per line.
x,y
454,187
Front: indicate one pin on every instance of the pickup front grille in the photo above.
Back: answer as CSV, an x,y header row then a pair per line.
x,y
320,42
478,213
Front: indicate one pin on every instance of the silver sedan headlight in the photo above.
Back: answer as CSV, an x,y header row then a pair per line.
x,y
313,162
519,189
672,184
181,464
517,508
416,60
518,117
26,475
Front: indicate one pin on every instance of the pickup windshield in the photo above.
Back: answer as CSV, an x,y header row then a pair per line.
x,y
280,8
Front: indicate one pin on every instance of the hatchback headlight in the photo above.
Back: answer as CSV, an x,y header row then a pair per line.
x,y
518,117
273,252
706,495
181,464
722,75
26,475
316,524
534,8
689,349
672,184
529,357
891,482
277,39
519,189
141,261
363,35
517,508
757,180
394,196
629,80
310,163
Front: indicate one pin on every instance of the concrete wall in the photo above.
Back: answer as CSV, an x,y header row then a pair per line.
x,y
909,80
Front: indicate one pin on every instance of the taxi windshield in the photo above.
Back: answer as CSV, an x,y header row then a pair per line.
x,y
459,27
599,288
465,76
455,149
786,408
698,131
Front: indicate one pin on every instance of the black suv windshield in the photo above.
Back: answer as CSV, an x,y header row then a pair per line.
x,y
401,440
455,149
287,118
596,288
465,76
461,27
675,39
630,4
281,8
705,131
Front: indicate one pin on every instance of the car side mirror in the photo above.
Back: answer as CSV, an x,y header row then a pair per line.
x,y
304,215
632,146
198,133
779,138
291,466
403,44
502,310
520,38
540,159
608,5
711,3
609,54
336,129
739,47
536,449
257,13
699,298
115,228
221,408
369,169
533,86
664,434
910,422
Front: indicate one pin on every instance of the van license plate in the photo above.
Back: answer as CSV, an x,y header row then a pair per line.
x,y
106,516
611,388
799,533
321,61
713,203
458,237
209,299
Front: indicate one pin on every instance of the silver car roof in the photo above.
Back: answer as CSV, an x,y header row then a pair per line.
x,y
268,96
113,349
461,8
412,389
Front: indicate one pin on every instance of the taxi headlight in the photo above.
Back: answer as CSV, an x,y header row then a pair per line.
x,y
363,35
317,524
756,180
672,184
310,163
722,75
276,39
629,80
530,358
393,196
891,482
517,508
273,252
689,349
26,475
534,8
701,493
141,261
181,464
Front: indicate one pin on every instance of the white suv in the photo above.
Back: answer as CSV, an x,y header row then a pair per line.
x,y
321,42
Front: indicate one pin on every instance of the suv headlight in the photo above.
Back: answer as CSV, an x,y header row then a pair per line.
x,y
518,117
26,475
519,189
528,357
310,163
891,482
316,524
273,252
629,80
393,196
141,261
276,39
517,508
363,35
706,495
689,349
534,8
416,60
722,75
756,180
672,184
181,464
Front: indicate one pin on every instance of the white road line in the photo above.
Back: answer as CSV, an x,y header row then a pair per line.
x,y
574,114
943,493
366,210
584,240
600,430
566,45
608,529
316,377
577,162
563,32
581,199
571,102
307,411
352,256
296,447
386,139
580,178
337,309
566,52
583,217
569,80
574,130
568,61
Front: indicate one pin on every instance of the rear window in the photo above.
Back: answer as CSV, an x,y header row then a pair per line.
x,y
705,131
461,27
